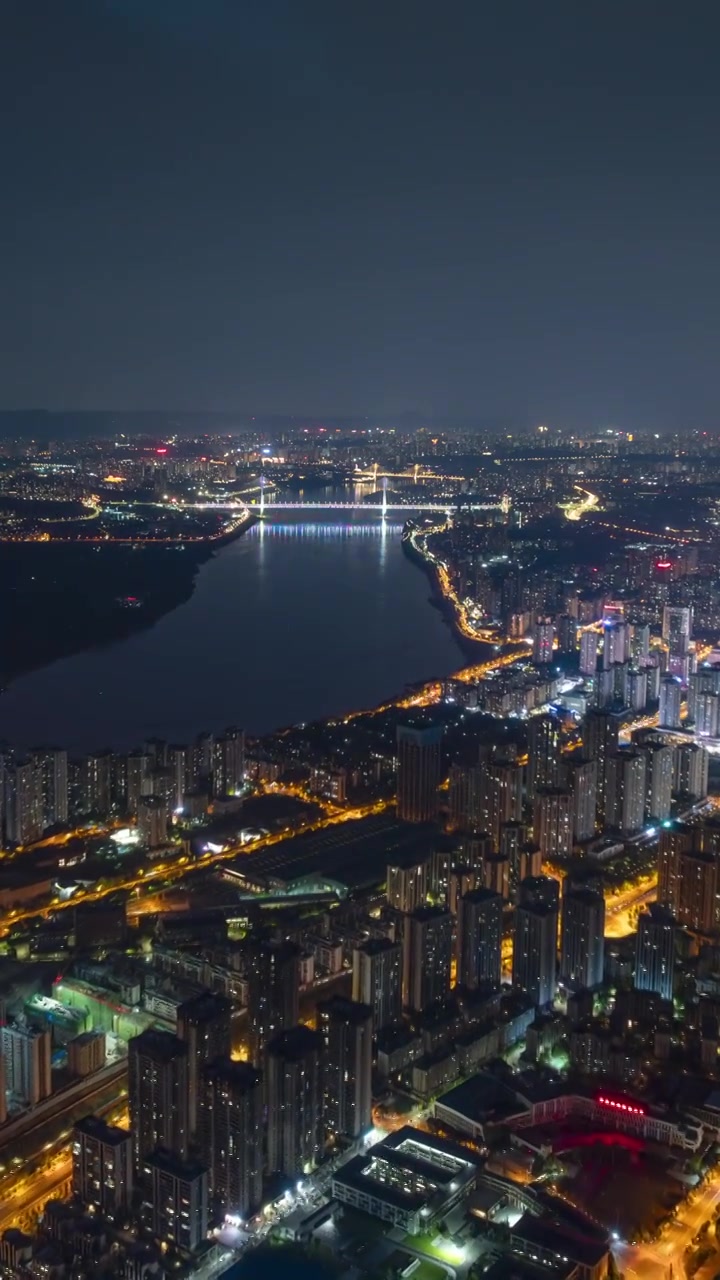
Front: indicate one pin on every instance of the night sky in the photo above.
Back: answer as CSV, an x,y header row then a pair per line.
x,y
496,210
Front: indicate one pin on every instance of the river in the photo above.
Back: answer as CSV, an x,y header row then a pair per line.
x,y
296,620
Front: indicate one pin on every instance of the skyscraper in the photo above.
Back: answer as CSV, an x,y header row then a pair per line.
x,y
158,1094
52,766
102,1165
689,877
203,1023
231,1133
479,938
377,980
655,952
691,770
419,772
677,627
589,645
427,957
543,635
659,772
535,939
175,1207
295,1101
582,938
347,1031
273,977
229,763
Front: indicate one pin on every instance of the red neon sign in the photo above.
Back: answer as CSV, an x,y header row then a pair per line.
x,y
621,1106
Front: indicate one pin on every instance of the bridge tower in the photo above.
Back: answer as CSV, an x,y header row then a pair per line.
x,y
384,500
505,504
262,495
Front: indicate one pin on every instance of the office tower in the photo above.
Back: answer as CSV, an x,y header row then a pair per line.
x,y
670,700
589,644
479,938
102,1165
26,1052
406,888
637,688
639,641
294,1101
496,874
552,822
24,803
543,754
377,980
707,714
347,1031
535,939
659,772
152,820
203,1024
543,636
655,952
625,791
419,772
229,763
581,781
567,635
616,637
691,770
158,1093
427,957
600,734
677,627
273,978
52,766
175,1206
230,1134
582,938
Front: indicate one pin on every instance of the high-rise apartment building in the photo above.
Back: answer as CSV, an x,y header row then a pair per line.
x,y
677,627
427,957
406,888
625,791
419,773
581,781
691,770
655,952
589,645
229,763
600,733
479,939
273,978
543,754
543,636
295,1101
203,1024
659,773
26,1052
535,939
230,1134
158,1094
552,822
689,876
377,980
51,764
102,1165
582,938
347,1031
175,1207
670,703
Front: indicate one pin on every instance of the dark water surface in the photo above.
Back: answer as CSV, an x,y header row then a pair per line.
x,y
295,620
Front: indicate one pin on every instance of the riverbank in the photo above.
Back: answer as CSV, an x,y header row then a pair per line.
x,y
64,598
414,543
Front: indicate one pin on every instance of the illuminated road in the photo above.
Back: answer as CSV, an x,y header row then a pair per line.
x,y
621,908
665,1258
579,507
